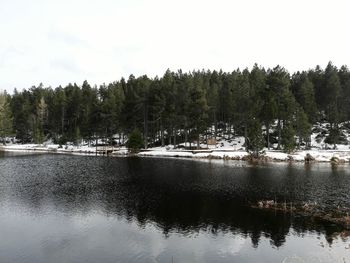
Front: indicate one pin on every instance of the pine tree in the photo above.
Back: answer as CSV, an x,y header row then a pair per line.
x,y
333,87
213,99
316,76
40,121
344,100
21,113
278,80
178,105
288,138
255,140
302,126
5,117
304,93
198,110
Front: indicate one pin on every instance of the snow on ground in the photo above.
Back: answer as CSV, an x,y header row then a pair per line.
x,y
226,147
225,151
55,148
299,156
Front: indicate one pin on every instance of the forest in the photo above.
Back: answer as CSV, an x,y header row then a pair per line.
x,y
185,106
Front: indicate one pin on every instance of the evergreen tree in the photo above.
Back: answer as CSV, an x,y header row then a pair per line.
x,y
5,116
302,127
227,101
316,76
88,100
213,99
21,112
168,118
303,90
178,106
288,138
278,80
198,110
40,121
344,100
255,140
333,87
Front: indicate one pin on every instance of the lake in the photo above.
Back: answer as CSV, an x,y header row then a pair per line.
x,y
66,208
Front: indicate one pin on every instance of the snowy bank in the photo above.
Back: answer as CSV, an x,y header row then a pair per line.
x,y
67,149
298,156
226,153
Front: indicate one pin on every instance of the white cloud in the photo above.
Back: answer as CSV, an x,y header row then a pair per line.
x,y
56,42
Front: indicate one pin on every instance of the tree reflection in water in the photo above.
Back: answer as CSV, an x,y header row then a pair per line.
x,y
178,196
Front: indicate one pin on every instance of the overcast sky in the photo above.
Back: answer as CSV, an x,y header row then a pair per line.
x,y
57,42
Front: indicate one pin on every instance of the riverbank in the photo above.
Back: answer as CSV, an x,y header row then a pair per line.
x,y
331,156
338,156
66,149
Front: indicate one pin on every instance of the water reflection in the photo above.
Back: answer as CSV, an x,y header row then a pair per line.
x,y
181,197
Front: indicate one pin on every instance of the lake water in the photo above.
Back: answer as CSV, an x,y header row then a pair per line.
x,y
62,208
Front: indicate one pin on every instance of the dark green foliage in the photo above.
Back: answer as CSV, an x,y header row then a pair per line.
x,y
135,141
5,116
177,107
197,114
255,139
288,138
303,90
302,126
22,115
333,87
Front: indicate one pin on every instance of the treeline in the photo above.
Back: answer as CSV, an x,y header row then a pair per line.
x,y
179,106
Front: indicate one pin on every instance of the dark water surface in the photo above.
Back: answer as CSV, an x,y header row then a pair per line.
x,y
61,208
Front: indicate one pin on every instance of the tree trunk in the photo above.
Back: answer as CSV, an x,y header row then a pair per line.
x,y
145,129
174,132
162,132
169,134
198,145
62,120
246,136
299,141
206,139
335,126
279,134
267,125
215,126
186,133
96,144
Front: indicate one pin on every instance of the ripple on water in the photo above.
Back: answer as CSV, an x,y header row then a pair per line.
x,y
56,208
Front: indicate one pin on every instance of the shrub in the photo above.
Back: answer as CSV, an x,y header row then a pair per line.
x,y
135,142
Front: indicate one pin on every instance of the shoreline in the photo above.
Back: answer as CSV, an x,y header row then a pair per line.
x,y
308,156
